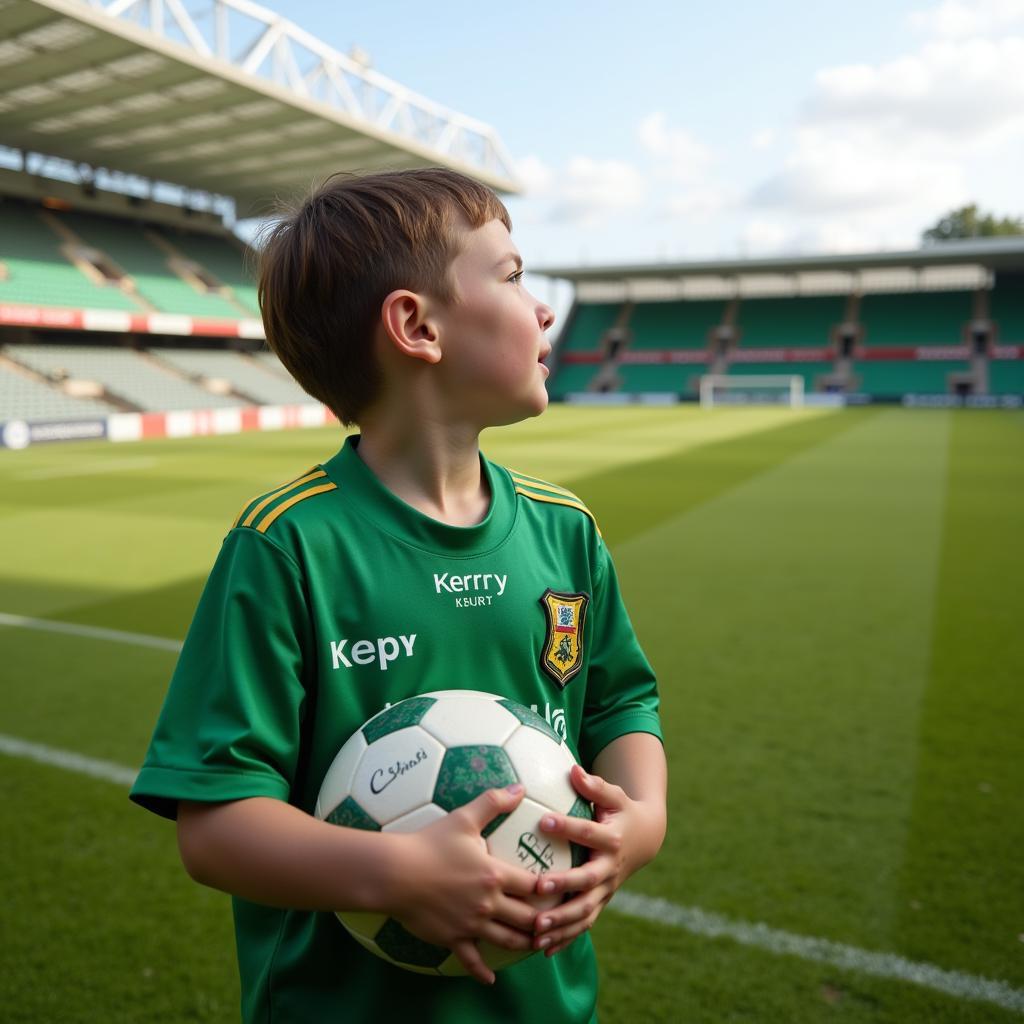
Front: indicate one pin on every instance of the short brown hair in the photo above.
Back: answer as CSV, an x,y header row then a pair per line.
x,y
327,266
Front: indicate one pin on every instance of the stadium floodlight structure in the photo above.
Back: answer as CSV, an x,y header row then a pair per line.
x,y
233,100
751,389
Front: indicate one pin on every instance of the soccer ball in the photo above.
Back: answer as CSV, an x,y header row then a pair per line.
x,y
423,757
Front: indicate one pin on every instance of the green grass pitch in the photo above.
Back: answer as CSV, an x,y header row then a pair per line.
x,y
834,605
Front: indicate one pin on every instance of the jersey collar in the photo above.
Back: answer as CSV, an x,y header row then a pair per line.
x,y
369,496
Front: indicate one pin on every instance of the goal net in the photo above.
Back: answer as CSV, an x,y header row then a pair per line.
x,y
751,389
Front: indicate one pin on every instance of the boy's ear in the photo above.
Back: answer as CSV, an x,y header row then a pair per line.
x,y
404,315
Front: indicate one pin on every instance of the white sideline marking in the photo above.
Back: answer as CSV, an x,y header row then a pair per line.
x,y
161,643
761,936
66,759
647,908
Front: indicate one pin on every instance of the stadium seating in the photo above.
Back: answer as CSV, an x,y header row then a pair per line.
x,y
223,258
125,242
661,325
588,324
891,379
254,379
123,373
1006,377
39,274
919,318
22,398
1007,308
789,323
574,377
647,377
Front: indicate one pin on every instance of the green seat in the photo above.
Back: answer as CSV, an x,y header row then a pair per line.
x,y
790,322
225,258
38,274
654,377
1007,308
919,318
683,324
587,325
893,379
574,377
125,242
1006,377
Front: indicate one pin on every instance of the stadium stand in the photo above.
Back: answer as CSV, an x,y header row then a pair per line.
x,y
1007,308
221,257
124,374
589,324
253,379
26,399
1006,377
126,244
571,378
789,323
924,318
641,377
39,273
658,325
893,379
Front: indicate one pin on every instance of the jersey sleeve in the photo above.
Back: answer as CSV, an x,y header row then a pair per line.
x,y
622,691
230,723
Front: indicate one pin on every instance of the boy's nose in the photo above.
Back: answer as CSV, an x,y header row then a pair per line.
x,y
545,316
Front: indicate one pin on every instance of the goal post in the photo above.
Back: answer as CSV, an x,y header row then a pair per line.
x,y
751,389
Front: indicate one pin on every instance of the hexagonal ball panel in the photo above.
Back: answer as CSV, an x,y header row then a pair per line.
x,y
417,819
543,768
468,771
458,719
399,716
337,782
397,774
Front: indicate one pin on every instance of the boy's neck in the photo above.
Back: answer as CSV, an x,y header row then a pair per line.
x,y
434,468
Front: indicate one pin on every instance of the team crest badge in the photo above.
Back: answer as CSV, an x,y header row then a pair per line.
x,y
566,615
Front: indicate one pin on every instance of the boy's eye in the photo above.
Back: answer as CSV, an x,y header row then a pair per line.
x,y
517,276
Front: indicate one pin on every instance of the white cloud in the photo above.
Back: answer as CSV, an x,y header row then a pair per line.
x,y
537,177
674,152
951,92
959,19
591,189
763,138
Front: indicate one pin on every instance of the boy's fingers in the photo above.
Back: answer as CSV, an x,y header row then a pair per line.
x,y
602,793
516,913
470,958
593,834
506,938
487,806
581,879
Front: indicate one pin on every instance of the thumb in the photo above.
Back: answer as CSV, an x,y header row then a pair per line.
x,y
488,805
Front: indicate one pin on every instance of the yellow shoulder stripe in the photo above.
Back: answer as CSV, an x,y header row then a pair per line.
x,y
561,501
541,485
312,474
293,500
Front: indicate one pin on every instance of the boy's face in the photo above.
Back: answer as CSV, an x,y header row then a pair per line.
x,y
492,334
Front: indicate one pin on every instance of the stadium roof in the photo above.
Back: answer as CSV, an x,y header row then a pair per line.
x,y
241,103
1004,253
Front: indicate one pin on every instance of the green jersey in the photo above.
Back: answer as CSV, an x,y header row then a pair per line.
x,y
332,598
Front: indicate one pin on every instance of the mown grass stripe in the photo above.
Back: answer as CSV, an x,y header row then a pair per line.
x,y
691,919
92,632
807,947
634,498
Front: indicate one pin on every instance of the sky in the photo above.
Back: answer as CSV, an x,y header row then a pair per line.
x,y
651,131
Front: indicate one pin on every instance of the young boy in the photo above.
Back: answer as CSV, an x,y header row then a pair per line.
x,y
405,563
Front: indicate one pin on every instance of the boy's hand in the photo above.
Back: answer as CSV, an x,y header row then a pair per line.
x,y
623,836
455,892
